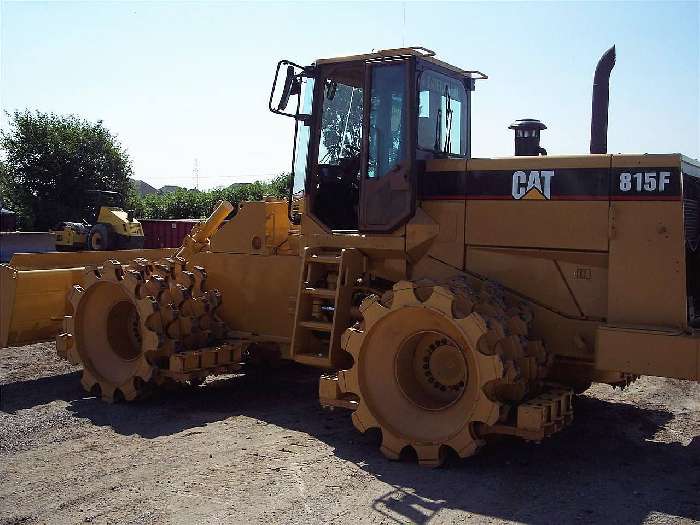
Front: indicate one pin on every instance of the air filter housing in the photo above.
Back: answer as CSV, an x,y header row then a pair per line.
x,y
527,137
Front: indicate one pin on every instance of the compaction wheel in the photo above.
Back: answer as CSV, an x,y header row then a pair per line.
x,y
428,367
127,320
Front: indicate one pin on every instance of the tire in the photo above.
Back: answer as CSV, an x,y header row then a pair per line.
x,y
124,242
100,238
136,243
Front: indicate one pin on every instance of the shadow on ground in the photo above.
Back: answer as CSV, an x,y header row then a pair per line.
x,y
603,468
34,392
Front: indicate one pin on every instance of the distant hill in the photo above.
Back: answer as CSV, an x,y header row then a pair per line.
x,y
143,188
240,184
170,189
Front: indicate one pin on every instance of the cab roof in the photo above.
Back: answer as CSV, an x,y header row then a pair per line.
x,y
417,51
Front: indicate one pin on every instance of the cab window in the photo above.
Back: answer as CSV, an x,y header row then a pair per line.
x,y
442,114
338,160
341,120
303,137
387,119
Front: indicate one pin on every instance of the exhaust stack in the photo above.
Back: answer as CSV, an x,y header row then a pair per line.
x,y
599,109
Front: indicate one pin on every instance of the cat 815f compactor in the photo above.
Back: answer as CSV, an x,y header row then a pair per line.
x,y
447,297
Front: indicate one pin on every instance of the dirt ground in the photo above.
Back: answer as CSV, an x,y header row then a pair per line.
x,y
251,450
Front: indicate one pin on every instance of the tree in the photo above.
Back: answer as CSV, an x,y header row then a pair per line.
x,y
49,161
279,186
195,204
341,128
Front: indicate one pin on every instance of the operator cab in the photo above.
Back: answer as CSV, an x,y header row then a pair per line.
x,y
365,125
102,198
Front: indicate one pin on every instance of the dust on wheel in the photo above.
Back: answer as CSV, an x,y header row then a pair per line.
x,y
419,374
115,358
128,319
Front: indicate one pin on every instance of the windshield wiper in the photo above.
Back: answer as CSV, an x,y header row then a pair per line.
x,y
438,147
448,121
438,130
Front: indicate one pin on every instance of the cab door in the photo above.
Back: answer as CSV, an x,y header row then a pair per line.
x,y
387,189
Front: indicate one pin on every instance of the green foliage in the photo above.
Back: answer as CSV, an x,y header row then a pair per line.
x,y
341,128
48,163
193,204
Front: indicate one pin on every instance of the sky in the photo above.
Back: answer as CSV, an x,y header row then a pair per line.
x,y
180,81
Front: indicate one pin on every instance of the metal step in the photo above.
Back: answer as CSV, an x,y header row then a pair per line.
x,y
317,325
313,360
325,259
320,292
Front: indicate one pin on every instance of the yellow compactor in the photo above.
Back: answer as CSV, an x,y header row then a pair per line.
x,y
446,297
111,227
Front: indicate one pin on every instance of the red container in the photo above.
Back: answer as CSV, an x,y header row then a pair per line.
x,y
167,233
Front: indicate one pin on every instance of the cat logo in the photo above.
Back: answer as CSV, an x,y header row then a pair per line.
x,y
535,185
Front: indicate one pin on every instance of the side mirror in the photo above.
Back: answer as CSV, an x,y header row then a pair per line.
x,y
290,83
291,86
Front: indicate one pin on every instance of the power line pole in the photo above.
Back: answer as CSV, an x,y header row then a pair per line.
x,y
403,34
195,173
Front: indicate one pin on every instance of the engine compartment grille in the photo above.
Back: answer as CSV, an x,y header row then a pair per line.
x,y
691,220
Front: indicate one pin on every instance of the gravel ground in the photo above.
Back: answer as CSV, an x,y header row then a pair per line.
x,y
250,450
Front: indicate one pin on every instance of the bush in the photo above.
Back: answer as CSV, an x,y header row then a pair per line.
x,y
194,204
